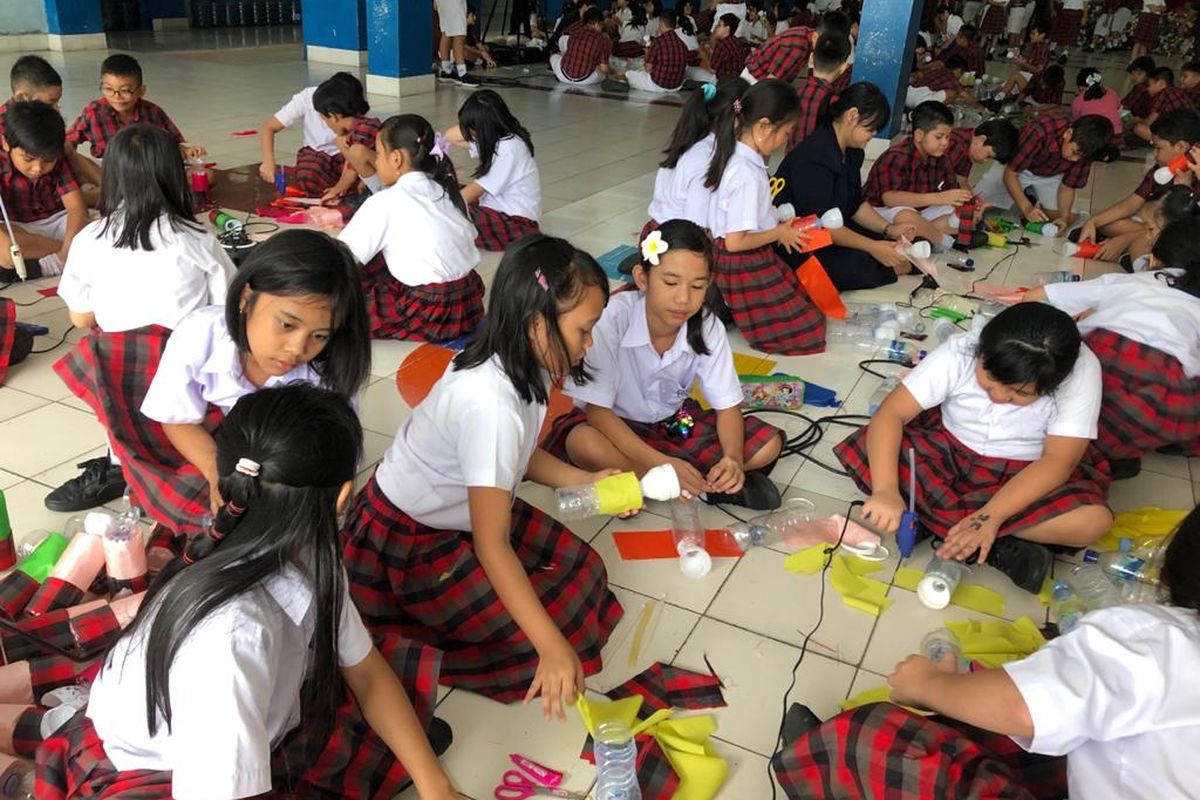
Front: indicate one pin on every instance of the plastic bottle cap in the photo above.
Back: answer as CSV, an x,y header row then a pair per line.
x,y
1163,175
1090,557
933,592
832,219
1070,248
918,250
1050,230
785,212
661,483
695,563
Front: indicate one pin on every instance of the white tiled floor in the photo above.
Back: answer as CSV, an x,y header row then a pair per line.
x,y
597,159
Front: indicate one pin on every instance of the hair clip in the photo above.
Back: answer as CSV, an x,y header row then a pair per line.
x,y
540,277
737,106
248,466
653,246
441,145
709,91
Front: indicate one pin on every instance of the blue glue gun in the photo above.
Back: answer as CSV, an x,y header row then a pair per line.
x,y
280,182
906,534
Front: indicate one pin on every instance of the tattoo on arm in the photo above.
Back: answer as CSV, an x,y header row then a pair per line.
x,y
978,520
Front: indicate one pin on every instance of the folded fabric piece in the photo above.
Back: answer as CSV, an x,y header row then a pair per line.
x,y
969,596
663,686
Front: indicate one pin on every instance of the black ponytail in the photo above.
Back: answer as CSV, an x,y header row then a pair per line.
x,y
1178,247
637,15
414,135
1091,82
485,119
771,99
874,110
698,115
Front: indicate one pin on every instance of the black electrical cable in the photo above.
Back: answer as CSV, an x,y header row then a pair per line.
x,y
57,345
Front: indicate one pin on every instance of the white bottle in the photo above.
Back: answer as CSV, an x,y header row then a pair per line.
x,y
694,560
941,578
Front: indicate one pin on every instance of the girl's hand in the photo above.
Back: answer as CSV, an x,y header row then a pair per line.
x,y
690,479
1111,250
726,476
1087,232
266,171
913,675
214,499
559,678
977,531
885,253
791,239
331,194
883,510
900,230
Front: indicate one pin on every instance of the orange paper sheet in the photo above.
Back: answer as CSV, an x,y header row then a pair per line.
x,y
642,545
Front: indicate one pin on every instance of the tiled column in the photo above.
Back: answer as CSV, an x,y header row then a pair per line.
x,y
335,31
74,25
883,54
399,36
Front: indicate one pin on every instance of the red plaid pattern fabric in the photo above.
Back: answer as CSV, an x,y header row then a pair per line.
x,y
667,61
54,593
728,57
91,632
628,50
844,80
586,50
1149,187
3,113
72,765
29,200
1137,100
972,54
1039,150
428,585
8,333
902,169
363,131
1169,99
995,21
812,92
647,229
111,372
702,449
935,77
769,306
705,19
47,673
1037,55
881,751
99,123
316,171
1145,32
498,230
784,55
958,153
1066,27
1148,400
27,732
954,481
1044,93
435,312
16,590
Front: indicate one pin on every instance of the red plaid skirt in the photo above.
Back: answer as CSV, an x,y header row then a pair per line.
x,y
16,590
8,330
953,481
355,763
702,449
769,305
1066,26
498,230
1148,400
705,19
883,752
53,594
428,585
1145,32
111,372
628,50
436,312
316,172
995,21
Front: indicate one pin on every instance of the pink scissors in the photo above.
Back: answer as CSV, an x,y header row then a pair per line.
x,y
516,785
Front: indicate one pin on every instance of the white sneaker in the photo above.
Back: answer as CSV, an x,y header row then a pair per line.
x,y
51,265
54,719
75,696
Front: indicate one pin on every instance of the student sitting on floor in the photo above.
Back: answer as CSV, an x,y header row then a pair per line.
x,y
829,63
939,82
342,104
585,60
1093,97
649,347
666,60
32,78
784,56
994,140
1044,93
1137,99
1030,63
317,159
1189,81
1002,423
964,45
753,30
726,55
1164,96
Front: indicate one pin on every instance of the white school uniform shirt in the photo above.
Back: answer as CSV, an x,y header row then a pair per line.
x,y
423,236
201,365
689,40
129,289
652,28
755,31
737,9
636,383
633,33
946,377
472,430
317,134
623,15
1141,307
235,690
1119,697
742,201
680,193
512,186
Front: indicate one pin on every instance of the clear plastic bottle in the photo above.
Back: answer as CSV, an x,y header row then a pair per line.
x,y
985,314
1066,606
617,494
941,578
943,329
1055,276
938,643
1093,587
694,560
880,394
1134,571
873,314
616,762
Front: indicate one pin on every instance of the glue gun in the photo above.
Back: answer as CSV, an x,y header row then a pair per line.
x,y
906,534
14,249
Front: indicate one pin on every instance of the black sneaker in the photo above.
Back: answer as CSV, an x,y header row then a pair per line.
x,y
1173,449
440,736
469,81
1073,235
446,75
758,492
1126,262
1025,563
613,85
1125,468
798,721
100,483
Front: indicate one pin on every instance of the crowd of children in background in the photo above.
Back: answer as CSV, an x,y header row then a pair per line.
x,y
229,394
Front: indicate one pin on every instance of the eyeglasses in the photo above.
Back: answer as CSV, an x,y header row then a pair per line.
x,y
118,93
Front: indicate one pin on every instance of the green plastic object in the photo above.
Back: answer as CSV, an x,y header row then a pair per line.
x,y
5,524
38,564
949,313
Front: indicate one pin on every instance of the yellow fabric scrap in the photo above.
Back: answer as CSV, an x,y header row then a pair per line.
x,y
1142,523
848,576
684,741
1047,588
807,561
968,595
995,642
880,694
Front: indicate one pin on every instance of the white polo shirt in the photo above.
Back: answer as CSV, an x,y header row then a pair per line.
x,y
235,690
1142,307
423,236
631,379
1002,430
512,186
129,289
680,193
633,33
1118,696
201,365
742,201
472,430
317,134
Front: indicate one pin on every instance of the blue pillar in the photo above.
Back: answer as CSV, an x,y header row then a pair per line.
x,y
554,10
884,52
335,31
399,56
72,17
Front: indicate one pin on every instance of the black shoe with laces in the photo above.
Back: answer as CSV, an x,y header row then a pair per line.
x,y
798,721
469,81
1025,563
758,492
440,736
1125,468
100,483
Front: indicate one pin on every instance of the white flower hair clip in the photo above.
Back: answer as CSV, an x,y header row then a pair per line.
x,y
653,246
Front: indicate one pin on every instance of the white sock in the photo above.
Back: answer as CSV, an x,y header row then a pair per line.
x,y
51,265
462,69
447,65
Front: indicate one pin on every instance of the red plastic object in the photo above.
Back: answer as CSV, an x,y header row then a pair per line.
x,y
644,545
244,133
820,289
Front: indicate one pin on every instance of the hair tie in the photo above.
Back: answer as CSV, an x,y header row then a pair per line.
x,y
540,277
737,106
1093,79
228,516
441,145
709,91
248,466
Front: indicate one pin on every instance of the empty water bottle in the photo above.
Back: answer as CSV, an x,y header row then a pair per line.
x,y
881,393
1066,606
941,578
1134,571
937,644
617,494
1055,276
873,314
943,329
694,560
1093,587
616,762
985,313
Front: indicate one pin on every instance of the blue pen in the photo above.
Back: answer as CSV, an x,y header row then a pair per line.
x,y
906,535
280,183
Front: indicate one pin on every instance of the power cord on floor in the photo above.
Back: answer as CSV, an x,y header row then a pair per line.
x,y
57,345
813,433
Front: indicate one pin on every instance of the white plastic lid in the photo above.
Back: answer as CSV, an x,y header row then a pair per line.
x,y
933,592
695,563
1069,248
97,523
661,483
785,212
918,250
1050,230
832,219
1163,175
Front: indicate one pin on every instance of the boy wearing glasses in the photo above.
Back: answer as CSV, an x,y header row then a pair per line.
x,y
122,103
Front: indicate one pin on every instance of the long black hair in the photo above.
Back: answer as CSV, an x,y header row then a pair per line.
x,y
484,119
772,99
301,262
341,94
1178,203
307,443
637,15
874,110
542,276
1178,247
698,115
1090,82
1030,344
414,135
144,181
682,234
1179,564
